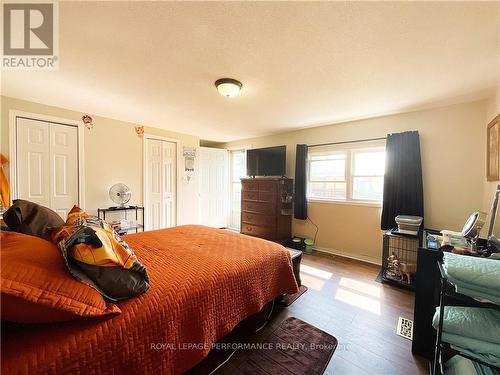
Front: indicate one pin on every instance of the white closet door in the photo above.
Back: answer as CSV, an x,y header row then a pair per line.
x,y
64,168
214,187
154,184
169,172
161,180
47,164
33,161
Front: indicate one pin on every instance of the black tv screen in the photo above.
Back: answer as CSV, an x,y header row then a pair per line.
x,y
270,161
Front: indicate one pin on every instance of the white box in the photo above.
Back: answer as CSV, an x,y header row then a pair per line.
x,y
409,224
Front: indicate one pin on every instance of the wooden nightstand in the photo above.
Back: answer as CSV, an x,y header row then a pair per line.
x,y
296,258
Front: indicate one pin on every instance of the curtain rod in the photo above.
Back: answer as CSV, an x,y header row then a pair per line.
x,y
339,143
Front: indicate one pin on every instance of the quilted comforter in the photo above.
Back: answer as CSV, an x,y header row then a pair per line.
x,y
472,330
204,281
476,277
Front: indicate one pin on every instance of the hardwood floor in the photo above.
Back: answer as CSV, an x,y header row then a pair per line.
x,y
345,300
361,313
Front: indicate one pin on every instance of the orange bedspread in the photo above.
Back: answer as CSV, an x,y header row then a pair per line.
x,y
204,281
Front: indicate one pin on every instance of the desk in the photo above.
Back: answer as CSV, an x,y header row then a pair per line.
x,y
426,300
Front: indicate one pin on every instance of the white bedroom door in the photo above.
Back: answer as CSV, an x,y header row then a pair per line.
x,y
160,183
214,187
46,168
169,150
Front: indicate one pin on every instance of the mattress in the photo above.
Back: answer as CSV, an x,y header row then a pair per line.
x,y
204,281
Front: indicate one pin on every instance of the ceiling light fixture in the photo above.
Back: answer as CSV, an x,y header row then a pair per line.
x,y
228,87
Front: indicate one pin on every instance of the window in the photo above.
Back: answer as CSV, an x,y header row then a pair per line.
x,y
327,177
238,171
355,174
368,175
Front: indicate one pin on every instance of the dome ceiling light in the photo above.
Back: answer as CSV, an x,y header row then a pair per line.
x,y
228,87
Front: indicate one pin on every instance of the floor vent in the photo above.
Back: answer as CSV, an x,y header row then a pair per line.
x,y
405,328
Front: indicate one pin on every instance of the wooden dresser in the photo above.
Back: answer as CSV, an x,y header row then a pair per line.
x,y
266,208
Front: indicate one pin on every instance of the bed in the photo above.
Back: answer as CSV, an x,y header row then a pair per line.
x,y
204,281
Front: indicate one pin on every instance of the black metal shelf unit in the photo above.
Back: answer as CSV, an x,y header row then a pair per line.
x,y
449,297
125,210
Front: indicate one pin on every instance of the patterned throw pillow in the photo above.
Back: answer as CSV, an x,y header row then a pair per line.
x,y
96,255
76,214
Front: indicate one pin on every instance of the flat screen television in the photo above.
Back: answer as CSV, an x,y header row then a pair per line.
x,y
270,161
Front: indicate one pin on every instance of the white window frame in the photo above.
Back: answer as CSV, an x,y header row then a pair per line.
x,y
349,150
346,177
353,151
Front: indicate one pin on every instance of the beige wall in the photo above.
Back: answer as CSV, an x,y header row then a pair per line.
x,y
453,158
453,162
113,153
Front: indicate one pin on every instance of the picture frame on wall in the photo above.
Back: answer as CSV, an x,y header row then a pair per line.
x,y
493,150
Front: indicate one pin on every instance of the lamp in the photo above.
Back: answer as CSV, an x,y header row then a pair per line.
x,y
228,87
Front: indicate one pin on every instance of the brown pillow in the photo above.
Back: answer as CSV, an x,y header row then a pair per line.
x,y
37,287
31,218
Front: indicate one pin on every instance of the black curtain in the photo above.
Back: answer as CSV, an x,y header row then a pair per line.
x,y
403,188
300,211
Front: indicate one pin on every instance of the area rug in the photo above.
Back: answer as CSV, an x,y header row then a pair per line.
x,y
288,299
294,348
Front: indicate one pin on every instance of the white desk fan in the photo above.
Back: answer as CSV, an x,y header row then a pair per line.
x,y
120,194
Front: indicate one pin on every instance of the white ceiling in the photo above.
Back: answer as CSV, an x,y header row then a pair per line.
x,y
301,64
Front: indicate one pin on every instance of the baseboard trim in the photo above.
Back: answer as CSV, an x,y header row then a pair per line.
x,y
344,254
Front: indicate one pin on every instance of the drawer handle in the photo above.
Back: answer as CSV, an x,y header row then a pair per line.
x,y
249,229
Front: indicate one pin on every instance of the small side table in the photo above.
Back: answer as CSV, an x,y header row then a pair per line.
x,y
296,259
125,210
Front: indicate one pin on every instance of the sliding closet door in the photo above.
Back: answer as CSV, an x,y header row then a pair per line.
x,y
33,161
64,168
47,164
160,183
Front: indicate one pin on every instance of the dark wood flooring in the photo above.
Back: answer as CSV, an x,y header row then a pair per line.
x,y
345,300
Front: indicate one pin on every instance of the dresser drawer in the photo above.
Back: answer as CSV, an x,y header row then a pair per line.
x,y
267,196
254,230
264,220
259,207
250,186
267,186
250,195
